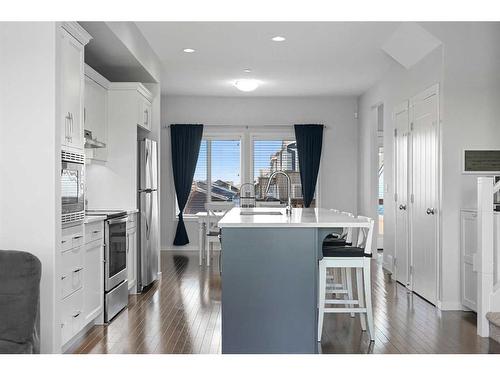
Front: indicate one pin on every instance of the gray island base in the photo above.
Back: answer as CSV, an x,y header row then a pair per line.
x,y
269,280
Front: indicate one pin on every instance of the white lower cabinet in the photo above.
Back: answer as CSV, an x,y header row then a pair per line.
x,y
468,249
132,253
93,298
71,316
82,277
72,271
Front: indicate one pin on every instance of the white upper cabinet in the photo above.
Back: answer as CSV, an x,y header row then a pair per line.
x,y
71,59
144,119
142,99
95,112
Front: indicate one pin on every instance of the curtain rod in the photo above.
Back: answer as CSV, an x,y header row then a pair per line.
x,y
248,126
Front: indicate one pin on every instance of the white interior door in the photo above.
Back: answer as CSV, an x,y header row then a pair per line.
x,y
424,189
401,135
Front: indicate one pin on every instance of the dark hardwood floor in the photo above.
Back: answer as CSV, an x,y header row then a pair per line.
x,y
181,314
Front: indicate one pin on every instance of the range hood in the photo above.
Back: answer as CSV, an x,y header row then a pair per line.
x,y
92,142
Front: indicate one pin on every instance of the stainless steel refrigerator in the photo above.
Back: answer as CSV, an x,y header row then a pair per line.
x,y
147,255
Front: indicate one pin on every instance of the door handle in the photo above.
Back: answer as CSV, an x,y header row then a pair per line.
x,y
430,211
402,207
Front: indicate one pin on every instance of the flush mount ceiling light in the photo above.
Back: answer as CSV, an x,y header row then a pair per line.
x,y
189,50
246,85
247,70
278,38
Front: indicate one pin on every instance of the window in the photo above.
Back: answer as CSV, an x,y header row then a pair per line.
x,y
272,155
227,160
217,171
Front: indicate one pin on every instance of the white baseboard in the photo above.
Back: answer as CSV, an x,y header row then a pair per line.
x,y
450,306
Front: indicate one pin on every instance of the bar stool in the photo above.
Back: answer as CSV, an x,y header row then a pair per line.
x,y
348,257
339,281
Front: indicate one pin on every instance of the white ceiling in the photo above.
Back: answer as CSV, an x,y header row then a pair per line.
x,y
317,58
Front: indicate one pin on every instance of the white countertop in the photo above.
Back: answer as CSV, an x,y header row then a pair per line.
x,y
93,218
129,211
301,217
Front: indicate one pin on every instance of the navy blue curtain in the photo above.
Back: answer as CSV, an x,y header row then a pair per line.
x,y
185,140
309,142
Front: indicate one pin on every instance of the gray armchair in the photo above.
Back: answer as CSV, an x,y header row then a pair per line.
x,y
19,302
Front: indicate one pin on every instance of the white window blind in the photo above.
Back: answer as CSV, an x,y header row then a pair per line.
x,y
225,170
219,161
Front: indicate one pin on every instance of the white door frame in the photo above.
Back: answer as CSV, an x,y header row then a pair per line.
x,y
373,182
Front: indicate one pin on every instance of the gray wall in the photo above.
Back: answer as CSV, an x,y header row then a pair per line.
x,y
338,171
399,84
467,66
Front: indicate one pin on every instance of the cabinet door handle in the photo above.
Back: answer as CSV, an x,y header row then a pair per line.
x,y
78,269
63,277
96,231
146,116
76,314
77,237
71,126
128,242
66,127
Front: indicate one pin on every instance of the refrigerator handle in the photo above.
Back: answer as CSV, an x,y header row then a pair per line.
x,y
147,224
150,165
150,213
147,163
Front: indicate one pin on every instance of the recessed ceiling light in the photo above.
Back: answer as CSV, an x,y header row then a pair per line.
x,y
246,85
247,70
188,50
278,38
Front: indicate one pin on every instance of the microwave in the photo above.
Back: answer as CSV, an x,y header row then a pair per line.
x,y
72,187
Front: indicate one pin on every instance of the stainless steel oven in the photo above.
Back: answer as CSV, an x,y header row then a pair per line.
x,y
115,267
72,187
115,252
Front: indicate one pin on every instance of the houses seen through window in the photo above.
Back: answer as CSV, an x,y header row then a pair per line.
x,y
277,155
218,172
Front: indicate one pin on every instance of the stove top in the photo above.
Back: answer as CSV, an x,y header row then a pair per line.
x,y
110,214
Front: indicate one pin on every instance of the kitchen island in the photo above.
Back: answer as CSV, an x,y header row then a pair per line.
x,y
269,266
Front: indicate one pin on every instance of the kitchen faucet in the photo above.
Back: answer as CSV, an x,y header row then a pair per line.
x,y
288,189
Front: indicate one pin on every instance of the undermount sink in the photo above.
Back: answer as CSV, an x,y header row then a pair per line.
x,y
251,213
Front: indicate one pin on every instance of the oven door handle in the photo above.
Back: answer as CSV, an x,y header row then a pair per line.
x,y
118,220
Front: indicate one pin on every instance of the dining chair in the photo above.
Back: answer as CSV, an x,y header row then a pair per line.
x,y
349,257
215,212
